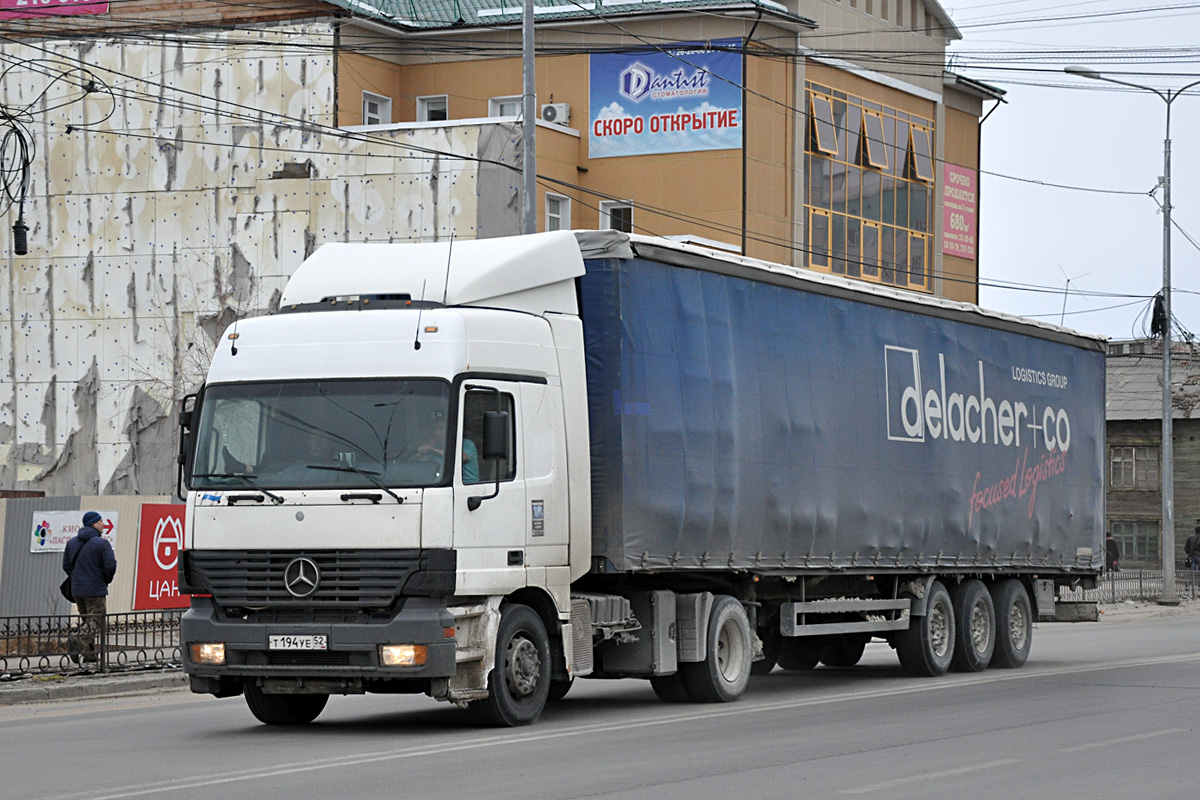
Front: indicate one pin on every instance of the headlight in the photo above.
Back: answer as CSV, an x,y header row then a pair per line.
x,y
403,655
209,653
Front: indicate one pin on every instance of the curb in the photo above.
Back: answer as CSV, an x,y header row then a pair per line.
x,y
60,687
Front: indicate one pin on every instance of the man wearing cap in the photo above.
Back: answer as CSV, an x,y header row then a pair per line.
x,y
90,562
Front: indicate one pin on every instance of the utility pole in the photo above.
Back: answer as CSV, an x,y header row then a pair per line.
x,y
528,124
1167,473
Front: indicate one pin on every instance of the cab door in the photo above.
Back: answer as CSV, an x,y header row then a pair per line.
x,y
490,540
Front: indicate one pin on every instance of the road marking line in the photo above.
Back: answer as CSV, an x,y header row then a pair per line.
x,y
944,683
947,773
1122,740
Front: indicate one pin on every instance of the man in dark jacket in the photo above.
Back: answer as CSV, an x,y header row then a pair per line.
x,y
90,562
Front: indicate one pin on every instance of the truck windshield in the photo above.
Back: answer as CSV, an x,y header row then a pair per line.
x,y
322,435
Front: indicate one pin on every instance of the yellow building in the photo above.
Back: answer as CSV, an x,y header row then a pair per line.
x,y
848,148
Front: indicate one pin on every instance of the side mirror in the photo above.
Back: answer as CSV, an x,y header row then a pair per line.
x,y
187,415
497,444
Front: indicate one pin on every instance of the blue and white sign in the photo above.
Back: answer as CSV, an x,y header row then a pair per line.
x,y
680,100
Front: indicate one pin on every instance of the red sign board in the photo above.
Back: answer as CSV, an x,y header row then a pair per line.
x,y
29,9
959,209
160,539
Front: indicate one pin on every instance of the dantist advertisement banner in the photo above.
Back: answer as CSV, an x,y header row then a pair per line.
x,y
680,100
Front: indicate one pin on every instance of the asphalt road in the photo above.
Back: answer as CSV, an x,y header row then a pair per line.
x,y
1104,710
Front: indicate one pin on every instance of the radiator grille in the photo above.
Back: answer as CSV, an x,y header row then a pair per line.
x,y
255,579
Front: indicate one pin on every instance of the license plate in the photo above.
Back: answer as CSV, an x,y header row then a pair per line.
x,y
291,642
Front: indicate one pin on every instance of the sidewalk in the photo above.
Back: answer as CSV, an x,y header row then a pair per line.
x,y
40,688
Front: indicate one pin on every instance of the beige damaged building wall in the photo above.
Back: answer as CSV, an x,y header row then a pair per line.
x,y
177,196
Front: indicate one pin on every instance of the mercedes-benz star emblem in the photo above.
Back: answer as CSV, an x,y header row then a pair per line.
x,y
301,577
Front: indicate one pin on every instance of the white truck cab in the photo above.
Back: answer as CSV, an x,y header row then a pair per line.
x,y
379,467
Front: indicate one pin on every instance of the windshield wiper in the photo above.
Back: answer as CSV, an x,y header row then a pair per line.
x,y
368,475
276,499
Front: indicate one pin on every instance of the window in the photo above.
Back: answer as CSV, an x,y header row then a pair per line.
x,y
509,106
1133,467
1138,539
824,132
616,216
476,405
875,146
558,212
377,109
433,108
869,190
920,161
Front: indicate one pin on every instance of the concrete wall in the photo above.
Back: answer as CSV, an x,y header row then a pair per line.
x,y
176,200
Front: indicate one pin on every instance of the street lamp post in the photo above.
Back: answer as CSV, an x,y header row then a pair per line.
x,y
1168,456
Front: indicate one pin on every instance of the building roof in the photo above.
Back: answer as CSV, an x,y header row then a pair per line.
x,y
1134,385
443,14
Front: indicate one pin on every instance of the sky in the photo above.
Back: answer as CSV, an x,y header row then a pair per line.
x,y
1089,260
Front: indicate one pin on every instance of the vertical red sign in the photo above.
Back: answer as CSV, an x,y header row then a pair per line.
x,y
960,207
160,539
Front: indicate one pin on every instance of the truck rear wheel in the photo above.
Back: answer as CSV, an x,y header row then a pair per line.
x,y
975,623
843,651
283,709
926,648
671,688
800,653
519,683
1014,623
723,674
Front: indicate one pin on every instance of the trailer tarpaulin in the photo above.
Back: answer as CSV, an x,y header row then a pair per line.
x,y
754,425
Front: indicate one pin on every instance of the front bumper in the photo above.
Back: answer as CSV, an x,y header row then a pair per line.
x,y
351,658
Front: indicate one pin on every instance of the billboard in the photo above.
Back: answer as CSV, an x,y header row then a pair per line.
x,y
676,100
51,530
160,539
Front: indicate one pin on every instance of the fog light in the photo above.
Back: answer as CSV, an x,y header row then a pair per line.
x,y
209,653
403,655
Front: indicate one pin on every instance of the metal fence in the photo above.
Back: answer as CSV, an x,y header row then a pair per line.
x,y
70,643
1135,584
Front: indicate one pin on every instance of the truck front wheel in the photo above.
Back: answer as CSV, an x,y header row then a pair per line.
x,y
1014,623
519,683
283,709
723,674
926,648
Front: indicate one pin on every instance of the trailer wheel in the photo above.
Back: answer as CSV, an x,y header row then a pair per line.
x,y
723,674
519,683
926,648
975,623
771,640
1014,623
283,709
671,688
800,653
843,651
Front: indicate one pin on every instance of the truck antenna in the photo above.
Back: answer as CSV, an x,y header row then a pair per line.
x,y
449,254
420,308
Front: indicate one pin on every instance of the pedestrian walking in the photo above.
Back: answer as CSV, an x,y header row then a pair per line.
x,y
90,563
1112,553
1191,549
